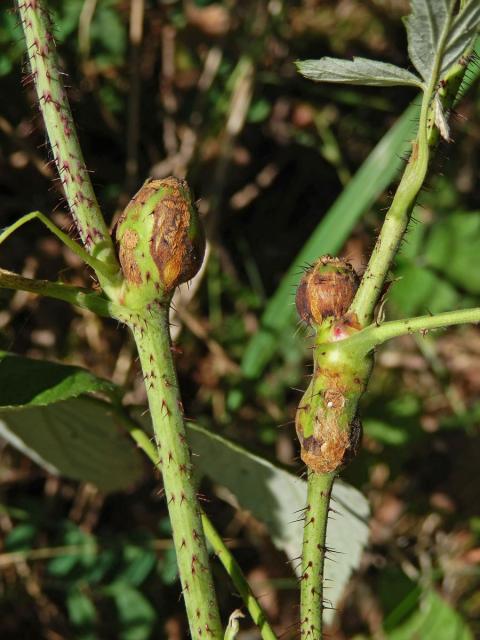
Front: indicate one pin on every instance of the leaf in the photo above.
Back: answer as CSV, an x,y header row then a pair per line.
x,y
25,381
77,438
464,29
436,36
418,290
135,613
82,614
435,619
276,497
425,25
454,246
375,174
357,71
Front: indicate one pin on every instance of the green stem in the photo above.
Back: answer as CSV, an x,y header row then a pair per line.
x,y
219,548
61,131
313,554
398,216
374,335
173,458
395,224
238,579
83,298
97,265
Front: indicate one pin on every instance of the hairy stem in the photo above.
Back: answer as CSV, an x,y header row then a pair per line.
x,y
46,76
83,298
395,224
219,548
399,214
374,335
313,557
153,343
95,264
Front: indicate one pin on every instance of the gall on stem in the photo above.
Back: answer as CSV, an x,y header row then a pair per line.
x,y
160,242
327,424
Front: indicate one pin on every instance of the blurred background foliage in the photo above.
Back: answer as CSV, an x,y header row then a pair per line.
x,y
209,90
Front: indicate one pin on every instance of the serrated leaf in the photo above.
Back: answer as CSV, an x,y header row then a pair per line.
x,y
77,438
425,25
276,497
357,71
25,381
435,34
464,28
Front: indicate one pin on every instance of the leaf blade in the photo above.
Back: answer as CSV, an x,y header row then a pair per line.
x,y
362,71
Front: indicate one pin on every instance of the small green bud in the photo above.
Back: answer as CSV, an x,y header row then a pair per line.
x,y
160,241
326,290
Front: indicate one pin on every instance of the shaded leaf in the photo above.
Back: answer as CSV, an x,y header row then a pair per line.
x,y
464,29
25,381
454,246
77,438
434,619
436,36
135,613
425,25
82,614
357,71
276,497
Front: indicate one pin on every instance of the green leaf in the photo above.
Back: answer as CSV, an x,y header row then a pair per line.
x,y
375,174
425,25
417,290
137,563
433,620
82,614
276,497
357,71
24,381
454,246
21,538
463,31
436,36
77,438
135,613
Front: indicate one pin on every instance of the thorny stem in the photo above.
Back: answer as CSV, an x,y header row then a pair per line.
x,y
360,344
313,556
74,295
61,132
219,547
373,335
395,224
399,214
152,338
95,264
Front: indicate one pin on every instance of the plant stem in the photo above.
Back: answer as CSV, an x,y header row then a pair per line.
x,y
395,224
220,549
313,556
238,579
83,298
374,335
97,265
398,216
153,342
61,132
